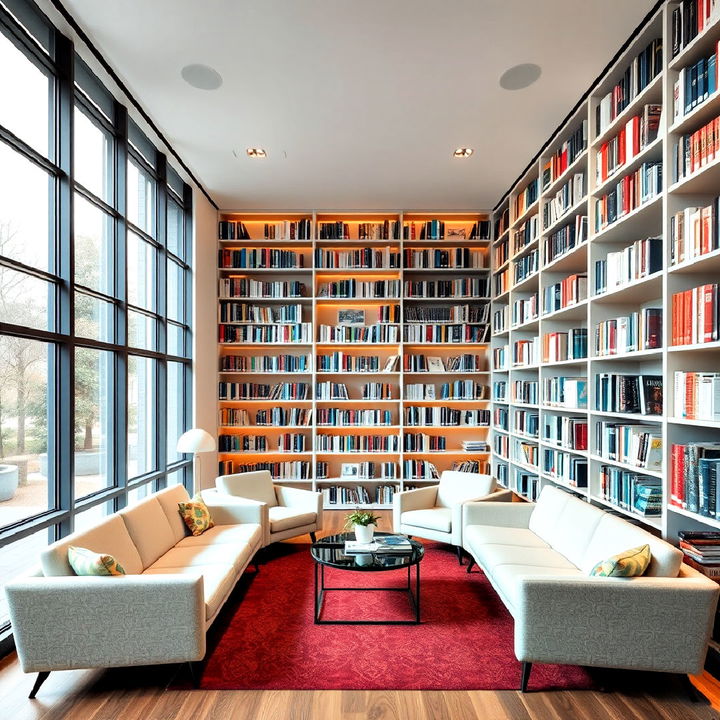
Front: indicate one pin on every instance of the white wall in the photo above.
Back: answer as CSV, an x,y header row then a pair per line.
x,y
204,325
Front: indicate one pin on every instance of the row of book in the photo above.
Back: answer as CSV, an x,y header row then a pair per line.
x,y
435,230
642,258
262,391
526,422
525,266
689,19
249,288
232,230
343,417
525,234
379,333
525,452
569,432
288,470
475,447
500,253
564,467
278,416
526,352
695,84
501,282
457,390
359,258
265,363
360,289
569,236
637,445
569,291
695,150
527,197
288,230
499,390
501,446
386,230
440,258
694,231
340,361
500,418
571,193
640,330
525,391
445,417
500,357
631,491
300,333
697,395
564,345
695,315
260,259
466,287
642,70
460,363
231,312
526,484
502,222
287,442
565,155
378,391
637,133
420,442
447,313
694,477
358,495
641,394
461,333
632,191
525,310
356,443
565,391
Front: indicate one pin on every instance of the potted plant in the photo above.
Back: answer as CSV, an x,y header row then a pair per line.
x,y
363,522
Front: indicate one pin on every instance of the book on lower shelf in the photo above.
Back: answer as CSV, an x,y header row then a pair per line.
x,y
640,330
637,445
693,478
694,232
636,261
697,395
629,393
695,315
640,494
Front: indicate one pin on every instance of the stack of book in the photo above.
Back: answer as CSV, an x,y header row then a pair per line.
x,y
383,544
702,550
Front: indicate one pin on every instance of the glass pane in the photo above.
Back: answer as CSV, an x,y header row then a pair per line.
x,y
89,518
141,262
25,412
175,292
26,232
140,493
93,156
14,561
142,331
94,318
175,409
175,340
26,92
141,199
93,247
176,477
175,228
142,414
25,300
93,420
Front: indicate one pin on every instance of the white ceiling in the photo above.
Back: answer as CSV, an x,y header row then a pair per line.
x,y
359,103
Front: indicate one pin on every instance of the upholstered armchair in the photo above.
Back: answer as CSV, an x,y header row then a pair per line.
x,y
287,511
435,512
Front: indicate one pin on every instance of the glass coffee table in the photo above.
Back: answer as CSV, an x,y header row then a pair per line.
x,y
330,552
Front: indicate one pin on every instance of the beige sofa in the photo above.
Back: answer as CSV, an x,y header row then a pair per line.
x,y
175,586
537,557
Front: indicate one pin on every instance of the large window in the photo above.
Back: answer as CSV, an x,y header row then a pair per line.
x,y
94,299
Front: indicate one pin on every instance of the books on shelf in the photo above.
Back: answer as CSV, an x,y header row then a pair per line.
x,y
569,432
525,310
695,84
695,315
569,291
501,282
565,155
288,230
341,417
456,333
697,395
358,494
352,288
524,391
476,288
257,289
641,394
502,222
265,363
261,391
526,422
526,352
472,466
421,442
358,258
702,550
525,266
235,312
418,416
525,452
444,258
566,345
693,151
331,391
289,470
500,418
526,197
640,330
232,230
694,232
260,259
565,467
565,391
275,417
640,73
243,443
638,445
565,239
690,19
525,234
569,195
500,253
356,443
526,484
299,333
339,230
628,490
501,445
694,477
419,470
342,362
377,391
501,319
378,333
475,446
447,313
636,261
461,363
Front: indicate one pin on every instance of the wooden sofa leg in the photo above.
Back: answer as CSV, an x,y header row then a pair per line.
x,y
471,564
41,678
313,539
459,554
525,676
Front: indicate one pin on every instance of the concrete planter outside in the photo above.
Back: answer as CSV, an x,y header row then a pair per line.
x,y
8,481
86,463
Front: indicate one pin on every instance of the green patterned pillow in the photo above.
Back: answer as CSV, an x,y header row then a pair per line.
x,y
630,563
87,562
196,515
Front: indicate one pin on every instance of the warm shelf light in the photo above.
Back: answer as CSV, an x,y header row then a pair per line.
x,y
463,152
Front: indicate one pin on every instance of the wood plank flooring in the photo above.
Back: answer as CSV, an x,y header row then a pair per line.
x,y
143,694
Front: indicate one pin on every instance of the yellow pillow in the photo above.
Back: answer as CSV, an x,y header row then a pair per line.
x,y
630,563
196,515
87,562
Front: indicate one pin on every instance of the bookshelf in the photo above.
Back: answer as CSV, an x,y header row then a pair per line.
x,y
537,435
361,338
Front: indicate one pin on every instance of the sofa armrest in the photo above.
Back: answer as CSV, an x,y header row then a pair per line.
x,y
230,510
645,623
457,511
307,500
61,623
499,513
407,500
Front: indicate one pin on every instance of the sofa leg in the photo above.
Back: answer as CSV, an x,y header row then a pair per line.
x,y
41,678
313,539
471,564
194,671
525,676
693,693
459,554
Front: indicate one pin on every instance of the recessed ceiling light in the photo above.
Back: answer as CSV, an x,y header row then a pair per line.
x,y
463,152
256,152
520,76
202,77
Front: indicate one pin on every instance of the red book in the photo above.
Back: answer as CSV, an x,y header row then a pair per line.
x,y
709,300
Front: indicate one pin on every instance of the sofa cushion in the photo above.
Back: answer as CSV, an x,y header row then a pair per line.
x,y
476,535
256,485
546,515
247,533
574,529
490,556
433,519
614,535
196,515
200,555
110,536
456,487
285,518
149,529
88,563
218,581
631,563
169,499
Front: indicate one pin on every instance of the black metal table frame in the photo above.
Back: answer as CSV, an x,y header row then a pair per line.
x,y
321,589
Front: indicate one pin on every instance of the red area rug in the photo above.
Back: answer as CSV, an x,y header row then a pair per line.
x,y
266,637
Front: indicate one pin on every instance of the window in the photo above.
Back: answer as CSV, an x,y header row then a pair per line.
x,y
117,356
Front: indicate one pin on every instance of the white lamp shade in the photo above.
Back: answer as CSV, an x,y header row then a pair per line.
x,y
196,440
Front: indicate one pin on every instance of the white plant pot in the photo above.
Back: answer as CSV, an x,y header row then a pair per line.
x,y
364,533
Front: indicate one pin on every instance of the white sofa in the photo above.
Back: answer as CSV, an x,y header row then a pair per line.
x,y
175,586
538,556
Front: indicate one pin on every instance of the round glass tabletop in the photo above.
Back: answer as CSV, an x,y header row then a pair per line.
x,y
330,551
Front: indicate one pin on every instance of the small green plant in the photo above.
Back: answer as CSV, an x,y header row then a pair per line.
x,y
360,517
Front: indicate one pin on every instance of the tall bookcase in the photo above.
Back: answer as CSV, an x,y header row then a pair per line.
x,y
524,457
385,319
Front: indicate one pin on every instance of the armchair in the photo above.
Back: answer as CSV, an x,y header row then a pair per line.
x,y
286,511
435,512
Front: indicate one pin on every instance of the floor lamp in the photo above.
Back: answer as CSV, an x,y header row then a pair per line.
x,y
196,441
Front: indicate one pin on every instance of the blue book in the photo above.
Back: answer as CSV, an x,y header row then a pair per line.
x,y
712,74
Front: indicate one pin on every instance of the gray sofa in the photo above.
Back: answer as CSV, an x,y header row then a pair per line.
x,y
537,557
175,586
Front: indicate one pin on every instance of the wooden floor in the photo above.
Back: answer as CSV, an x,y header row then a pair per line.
x,y
142,694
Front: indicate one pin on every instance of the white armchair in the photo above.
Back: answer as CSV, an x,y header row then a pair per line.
x,y
435,512
287,512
